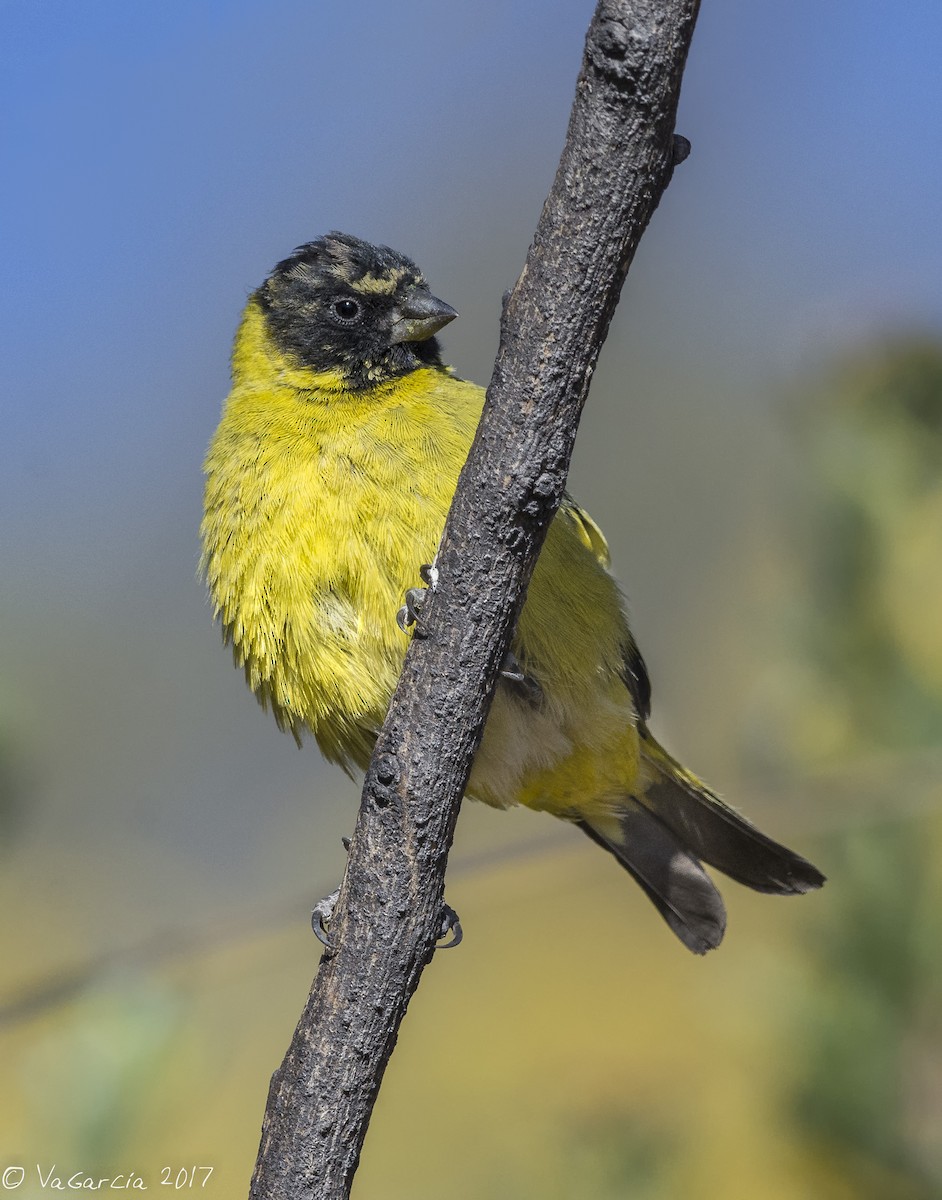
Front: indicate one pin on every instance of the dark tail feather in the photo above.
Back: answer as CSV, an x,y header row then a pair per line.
x,y
674,881
717,834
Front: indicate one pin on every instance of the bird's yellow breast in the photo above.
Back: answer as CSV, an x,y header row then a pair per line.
x,y
322,504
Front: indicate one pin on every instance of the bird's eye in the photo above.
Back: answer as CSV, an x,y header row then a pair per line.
x,y
346,310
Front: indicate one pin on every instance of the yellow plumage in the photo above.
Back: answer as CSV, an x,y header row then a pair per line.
x,y
328,482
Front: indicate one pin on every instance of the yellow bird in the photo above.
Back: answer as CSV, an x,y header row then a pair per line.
x,y
328,483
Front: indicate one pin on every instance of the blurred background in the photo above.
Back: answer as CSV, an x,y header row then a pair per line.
x,y
763,446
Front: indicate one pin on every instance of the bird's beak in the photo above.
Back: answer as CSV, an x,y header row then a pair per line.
x,y
419,316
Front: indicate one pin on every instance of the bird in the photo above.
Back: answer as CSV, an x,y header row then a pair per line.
x,y
327,485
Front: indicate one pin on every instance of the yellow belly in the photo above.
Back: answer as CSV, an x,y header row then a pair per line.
x,y
320,511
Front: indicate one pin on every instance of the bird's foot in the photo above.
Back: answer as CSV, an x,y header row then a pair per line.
x,y
409,614
525,685
411,611
450,927
320,917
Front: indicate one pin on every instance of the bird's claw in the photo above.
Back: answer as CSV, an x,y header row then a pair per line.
x,y
324,909
450,926
320,917
409,614
525,684
511,669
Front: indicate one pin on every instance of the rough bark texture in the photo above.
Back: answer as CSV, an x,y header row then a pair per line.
x,y
617,160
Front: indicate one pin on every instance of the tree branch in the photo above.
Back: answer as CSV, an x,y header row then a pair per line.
x,y
619,154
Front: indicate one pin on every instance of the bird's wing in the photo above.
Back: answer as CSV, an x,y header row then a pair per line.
x,y
586,529
634,672
635,675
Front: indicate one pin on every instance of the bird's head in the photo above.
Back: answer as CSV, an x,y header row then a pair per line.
x,y
343,307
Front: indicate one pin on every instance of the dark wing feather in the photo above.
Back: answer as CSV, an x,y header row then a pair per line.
x,y
671,877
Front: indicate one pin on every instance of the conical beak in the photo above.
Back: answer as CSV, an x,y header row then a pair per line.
x,y
419,316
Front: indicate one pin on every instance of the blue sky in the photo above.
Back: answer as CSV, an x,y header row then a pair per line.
x,y
160,158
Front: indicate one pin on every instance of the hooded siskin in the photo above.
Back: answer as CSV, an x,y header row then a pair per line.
x,y
328,483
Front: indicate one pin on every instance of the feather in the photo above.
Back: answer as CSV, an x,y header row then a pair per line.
x,y
672,878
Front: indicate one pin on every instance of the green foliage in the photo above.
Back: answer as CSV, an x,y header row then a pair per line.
x,y
615,1156
89,1079
872,625
873,536
864,1030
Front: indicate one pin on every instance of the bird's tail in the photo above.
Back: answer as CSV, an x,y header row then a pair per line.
x,y
674,823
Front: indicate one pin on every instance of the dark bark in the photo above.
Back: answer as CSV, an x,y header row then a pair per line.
x,y
618,158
